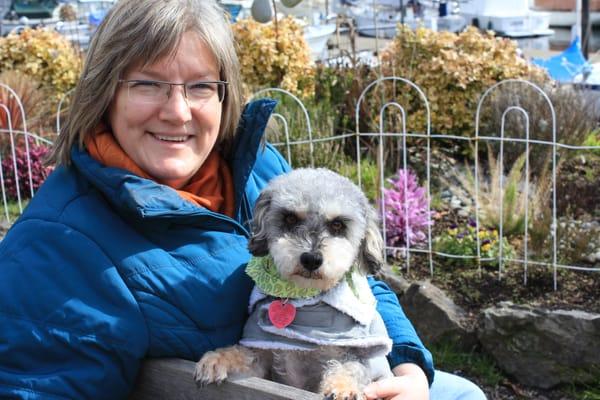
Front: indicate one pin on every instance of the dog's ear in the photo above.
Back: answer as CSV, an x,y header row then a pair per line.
x,y
371,249
259,244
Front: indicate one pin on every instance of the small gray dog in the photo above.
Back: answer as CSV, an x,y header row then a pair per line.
x,y
313,322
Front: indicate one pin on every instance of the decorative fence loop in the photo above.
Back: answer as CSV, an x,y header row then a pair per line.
x,y
502,139
381,134
306,116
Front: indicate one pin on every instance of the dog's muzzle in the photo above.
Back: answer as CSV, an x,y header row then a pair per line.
x,y
311,260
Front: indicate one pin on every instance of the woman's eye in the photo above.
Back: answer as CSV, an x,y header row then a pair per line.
x,y
201,89
200,85
145,84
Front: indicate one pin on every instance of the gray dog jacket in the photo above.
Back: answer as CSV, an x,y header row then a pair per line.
x,y
336,317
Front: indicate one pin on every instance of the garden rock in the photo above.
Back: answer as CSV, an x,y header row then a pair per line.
x,y
396,282
436,317
456,203
540,347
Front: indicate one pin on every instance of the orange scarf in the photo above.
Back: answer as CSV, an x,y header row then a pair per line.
x,y
211,187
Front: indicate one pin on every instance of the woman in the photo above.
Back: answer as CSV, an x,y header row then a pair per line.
x,y
135,246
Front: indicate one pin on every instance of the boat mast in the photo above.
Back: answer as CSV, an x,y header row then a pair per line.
x,y
585,26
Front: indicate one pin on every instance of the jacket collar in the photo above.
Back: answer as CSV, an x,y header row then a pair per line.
x,y
247,142
143,198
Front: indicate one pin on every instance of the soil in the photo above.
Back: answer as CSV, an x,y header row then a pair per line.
x,y
475,289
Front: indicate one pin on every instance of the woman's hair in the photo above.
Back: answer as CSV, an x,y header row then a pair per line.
x,y
145,31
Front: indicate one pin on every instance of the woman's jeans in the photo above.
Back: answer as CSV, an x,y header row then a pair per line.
x,y
447,386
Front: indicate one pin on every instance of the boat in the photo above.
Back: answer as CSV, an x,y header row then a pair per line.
x,y
382,17
508,18
23,14
316,37
34,9
317,29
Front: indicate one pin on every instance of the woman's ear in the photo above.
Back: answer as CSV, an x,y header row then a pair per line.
x,y
370,257
259,244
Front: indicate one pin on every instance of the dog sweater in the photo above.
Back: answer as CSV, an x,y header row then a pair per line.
x,y
344,316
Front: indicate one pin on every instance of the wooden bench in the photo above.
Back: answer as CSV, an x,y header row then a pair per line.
x,y
171,378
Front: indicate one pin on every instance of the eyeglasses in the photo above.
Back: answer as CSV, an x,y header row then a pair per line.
x,y
198,93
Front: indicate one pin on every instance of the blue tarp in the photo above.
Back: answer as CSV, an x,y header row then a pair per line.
x,y
564,67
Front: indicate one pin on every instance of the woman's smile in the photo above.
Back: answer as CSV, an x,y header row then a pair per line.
x,y
170,138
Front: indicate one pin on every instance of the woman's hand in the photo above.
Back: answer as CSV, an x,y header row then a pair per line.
x,y
409,383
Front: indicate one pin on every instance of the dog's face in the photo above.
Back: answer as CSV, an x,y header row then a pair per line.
x,y
316,224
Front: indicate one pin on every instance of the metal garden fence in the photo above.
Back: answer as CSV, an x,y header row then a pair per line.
x,y
379,137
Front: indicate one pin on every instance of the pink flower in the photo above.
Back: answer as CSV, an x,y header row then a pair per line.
x,y
405,209
39,172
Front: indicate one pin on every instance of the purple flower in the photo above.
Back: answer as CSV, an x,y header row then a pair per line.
x,y
406,211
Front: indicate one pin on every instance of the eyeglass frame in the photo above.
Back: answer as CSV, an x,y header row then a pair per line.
x,y
223,84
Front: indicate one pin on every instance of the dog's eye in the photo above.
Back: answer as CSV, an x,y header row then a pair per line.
x,y
290,220
337,227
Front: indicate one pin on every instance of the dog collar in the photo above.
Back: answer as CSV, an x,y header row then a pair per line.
x,y
264,274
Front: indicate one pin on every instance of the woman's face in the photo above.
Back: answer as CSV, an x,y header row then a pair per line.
x,y
169,141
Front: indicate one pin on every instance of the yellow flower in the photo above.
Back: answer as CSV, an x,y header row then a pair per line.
x,y
486,247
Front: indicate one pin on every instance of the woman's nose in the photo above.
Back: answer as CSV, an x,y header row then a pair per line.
x,y
176,109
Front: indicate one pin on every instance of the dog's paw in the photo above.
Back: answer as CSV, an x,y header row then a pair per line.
x,y
344,381
344,396
342,388
216,366
210,369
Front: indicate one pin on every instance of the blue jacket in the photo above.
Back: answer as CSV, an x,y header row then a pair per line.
x,y
105,268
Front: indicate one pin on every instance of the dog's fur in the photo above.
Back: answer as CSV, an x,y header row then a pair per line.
x,y
302,218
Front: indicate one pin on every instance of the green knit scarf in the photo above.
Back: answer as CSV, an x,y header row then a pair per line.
x,y
263,272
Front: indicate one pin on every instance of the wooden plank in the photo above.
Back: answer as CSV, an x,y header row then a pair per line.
x,y
171,378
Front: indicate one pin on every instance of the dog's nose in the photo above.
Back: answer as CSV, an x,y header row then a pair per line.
x,y
311,261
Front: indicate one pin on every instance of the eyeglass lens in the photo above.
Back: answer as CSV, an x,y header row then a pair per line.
x,y
153,92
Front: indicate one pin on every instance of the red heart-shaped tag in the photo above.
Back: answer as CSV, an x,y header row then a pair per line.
x,y
281,314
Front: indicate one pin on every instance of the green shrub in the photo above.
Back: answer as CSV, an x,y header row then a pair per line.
x,y
369,175
462,241
593,140
576,115
511,194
